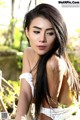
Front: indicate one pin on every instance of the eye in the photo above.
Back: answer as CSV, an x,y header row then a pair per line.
x,y
37,32
50,33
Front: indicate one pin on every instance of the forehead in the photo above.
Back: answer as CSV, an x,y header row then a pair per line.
x,y
41,22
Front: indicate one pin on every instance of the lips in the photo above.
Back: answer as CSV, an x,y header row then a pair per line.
x,y
41,47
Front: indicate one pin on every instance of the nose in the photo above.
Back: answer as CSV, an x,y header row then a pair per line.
x,y
42,37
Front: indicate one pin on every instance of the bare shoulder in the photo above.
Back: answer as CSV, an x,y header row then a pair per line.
x,y
26,59
28,51
53,62
56,63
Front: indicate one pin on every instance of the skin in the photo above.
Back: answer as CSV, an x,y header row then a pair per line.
x,y
41,36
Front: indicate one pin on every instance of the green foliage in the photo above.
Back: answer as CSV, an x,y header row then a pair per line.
x,y
16,86
17,37
20,41
75,61
19,59
9,97
74,50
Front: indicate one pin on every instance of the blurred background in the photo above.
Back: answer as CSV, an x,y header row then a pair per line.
x,y
13,42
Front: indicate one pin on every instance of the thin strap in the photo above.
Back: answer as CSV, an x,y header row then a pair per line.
x,y
34,67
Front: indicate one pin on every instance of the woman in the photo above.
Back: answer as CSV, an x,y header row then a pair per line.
x,y
48,79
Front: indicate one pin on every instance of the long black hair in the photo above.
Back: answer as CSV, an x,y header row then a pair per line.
x,y
53,15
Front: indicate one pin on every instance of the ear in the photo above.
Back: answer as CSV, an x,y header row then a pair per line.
x,y
27,32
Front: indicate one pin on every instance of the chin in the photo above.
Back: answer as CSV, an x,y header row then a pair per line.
x,y
40,53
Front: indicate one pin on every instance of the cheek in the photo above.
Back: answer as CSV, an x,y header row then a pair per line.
x,y
51,41
32,40
30,37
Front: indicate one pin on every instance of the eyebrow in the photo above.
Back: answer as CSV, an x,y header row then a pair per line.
x,y
41,28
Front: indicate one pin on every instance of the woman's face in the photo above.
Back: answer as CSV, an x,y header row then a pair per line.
x,y
41,35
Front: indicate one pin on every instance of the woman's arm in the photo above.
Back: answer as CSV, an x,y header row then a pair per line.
x,y
25,91
24,100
